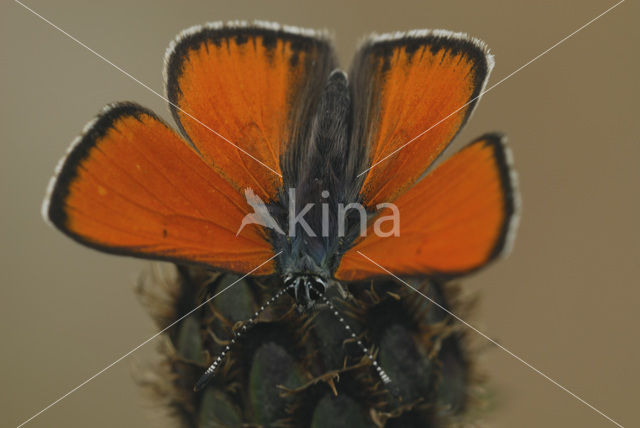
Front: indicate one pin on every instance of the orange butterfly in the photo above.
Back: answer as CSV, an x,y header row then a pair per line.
x,y
268,126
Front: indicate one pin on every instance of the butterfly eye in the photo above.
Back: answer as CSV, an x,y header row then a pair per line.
x,y
317,287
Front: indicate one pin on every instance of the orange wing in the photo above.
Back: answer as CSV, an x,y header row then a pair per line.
x,y
132,186
256,87
455,220
404,85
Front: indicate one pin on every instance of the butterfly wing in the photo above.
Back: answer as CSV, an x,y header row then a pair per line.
x,y
130,185
240,94
405,84
256,87
456,219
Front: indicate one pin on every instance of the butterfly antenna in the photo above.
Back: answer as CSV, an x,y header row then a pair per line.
x,y
386,380
237,335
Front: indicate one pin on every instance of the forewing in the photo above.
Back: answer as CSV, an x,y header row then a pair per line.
x,y
412,93
244,94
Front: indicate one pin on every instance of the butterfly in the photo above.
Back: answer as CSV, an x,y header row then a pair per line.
x,y
269,129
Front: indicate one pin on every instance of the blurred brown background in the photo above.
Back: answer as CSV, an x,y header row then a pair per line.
x,y
566,300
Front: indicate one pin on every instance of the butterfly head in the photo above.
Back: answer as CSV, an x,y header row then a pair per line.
x,y
306,289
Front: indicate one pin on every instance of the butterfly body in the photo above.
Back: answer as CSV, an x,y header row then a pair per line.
x,y
313,243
